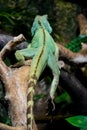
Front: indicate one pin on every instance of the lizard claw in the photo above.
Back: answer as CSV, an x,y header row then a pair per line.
x,y
53,104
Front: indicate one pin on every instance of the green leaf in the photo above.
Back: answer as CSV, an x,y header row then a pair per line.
x,y
78,121
7,61
63,97
7,16
83,129
38,96
75,44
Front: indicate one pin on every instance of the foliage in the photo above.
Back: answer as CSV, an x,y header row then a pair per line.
x,y
39,96
75,44
78,121
15,18
65,16
3,111
63,97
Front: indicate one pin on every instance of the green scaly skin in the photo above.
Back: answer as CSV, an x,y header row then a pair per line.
x,y
44,52
75,44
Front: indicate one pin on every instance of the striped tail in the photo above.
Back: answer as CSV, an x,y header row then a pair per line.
x,y
30,103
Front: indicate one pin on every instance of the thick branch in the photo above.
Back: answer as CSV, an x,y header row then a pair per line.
x,y
15,83
4,69
4,39
16,94
6,127
49,118
11,44
75,89
82,20
71,57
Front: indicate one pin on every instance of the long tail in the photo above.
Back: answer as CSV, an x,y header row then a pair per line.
x,y
30,103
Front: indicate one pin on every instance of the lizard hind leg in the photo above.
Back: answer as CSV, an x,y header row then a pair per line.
x,y
53,64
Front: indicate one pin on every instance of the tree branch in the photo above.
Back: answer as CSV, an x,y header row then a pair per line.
x,y
76,90
6,127
11,44
15,83
72,57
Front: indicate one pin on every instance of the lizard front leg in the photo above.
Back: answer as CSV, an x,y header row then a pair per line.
x,y
21,55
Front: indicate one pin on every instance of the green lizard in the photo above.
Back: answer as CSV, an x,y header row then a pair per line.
x,y
44,51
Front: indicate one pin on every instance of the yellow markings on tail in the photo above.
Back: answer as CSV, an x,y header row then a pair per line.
x,y
30,89
30,103
30,116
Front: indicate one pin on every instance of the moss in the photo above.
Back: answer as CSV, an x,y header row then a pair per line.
x,y
66,24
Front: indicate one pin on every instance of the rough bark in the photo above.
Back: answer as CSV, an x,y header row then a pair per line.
x,y
15,83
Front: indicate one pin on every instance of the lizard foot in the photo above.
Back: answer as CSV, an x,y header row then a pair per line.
x,y
53,105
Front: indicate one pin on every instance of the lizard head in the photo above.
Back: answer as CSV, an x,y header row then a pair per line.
x,y
41,21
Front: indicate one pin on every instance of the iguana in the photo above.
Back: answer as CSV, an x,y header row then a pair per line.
x,y
44,52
